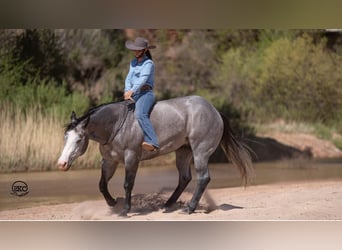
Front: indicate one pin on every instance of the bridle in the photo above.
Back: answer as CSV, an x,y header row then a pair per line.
x,y
129,106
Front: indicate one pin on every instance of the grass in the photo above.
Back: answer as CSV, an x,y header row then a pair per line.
x,y
284,127
318,129
337,140
31,141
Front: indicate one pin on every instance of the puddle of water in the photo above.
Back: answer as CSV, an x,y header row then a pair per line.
x,y
80,185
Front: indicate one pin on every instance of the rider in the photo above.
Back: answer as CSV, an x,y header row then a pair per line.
x,y
139,88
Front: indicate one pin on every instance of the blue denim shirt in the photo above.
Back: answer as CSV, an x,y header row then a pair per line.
x,y
139,74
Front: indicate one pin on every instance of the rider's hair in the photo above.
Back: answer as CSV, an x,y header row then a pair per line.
x,y
148,54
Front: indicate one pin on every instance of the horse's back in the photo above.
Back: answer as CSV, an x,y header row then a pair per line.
x,y
184,99
187,118
186,104
179,108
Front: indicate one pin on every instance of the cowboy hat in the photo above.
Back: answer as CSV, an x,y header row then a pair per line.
x,y
138,44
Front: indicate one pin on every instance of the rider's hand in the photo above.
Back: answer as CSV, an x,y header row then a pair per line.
x,y
128,95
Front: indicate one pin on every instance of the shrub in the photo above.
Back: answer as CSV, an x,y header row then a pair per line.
x,y
293,78
45,98
300,80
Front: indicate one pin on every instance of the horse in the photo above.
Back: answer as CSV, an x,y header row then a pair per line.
x,y
189,126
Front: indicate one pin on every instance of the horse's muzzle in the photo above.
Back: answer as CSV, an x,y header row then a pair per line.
x,y
63,166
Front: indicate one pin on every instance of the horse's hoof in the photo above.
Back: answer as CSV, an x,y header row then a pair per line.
x,y
188,209
170,208
111,202
124,213
167,210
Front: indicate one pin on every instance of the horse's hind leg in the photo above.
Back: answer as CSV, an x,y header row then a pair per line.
x,y
203,176
183,163
107,172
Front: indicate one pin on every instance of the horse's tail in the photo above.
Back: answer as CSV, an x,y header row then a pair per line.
x,y
237,152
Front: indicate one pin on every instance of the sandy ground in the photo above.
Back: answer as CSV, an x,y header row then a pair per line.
x,y
319,200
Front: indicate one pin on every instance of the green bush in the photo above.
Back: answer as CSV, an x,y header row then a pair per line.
x,y
45,97
300,80
338,143
293,78
39,54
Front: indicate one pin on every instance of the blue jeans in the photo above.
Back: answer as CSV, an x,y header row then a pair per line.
x,y
143,104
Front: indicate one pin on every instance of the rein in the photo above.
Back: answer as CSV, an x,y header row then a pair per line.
x,y
129,106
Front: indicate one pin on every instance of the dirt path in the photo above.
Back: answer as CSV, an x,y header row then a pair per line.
x,y
287,201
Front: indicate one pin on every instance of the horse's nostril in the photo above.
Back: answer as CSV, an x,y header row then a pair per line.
x,y
62,165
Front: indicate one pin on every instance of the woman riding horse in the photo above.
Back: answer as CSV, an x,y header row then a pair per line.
x,y
139,88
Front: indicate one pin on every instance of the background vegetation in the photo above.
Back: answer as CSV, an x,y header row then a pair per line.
x,y
254,76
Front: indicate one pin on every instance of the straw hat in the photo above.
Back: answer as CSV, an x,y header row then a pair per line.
x,y
138,44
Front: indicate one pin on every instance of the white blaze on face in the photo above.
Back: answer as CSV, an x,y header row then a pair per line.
x,y
70,145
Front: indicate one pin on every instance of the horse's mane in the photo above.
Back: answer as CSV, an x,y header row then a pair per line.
x,y
88,113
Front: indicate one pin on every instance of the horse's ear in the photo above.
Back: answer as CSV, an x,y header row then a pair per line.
x,y
73,117
85,122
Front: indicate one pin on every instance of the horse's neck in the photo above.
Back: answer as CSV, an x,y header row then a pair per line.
x,y
103,122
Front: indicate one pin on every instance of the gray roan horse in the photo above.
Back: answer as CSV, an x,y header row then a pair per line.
x,y
190,126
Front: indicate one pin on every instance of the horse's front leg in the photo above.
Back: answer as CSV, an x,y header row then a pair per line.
x,y
131,167
107,172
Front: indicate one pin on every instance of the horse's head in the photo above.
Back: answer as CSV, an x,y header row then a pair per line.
x,y
75,142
